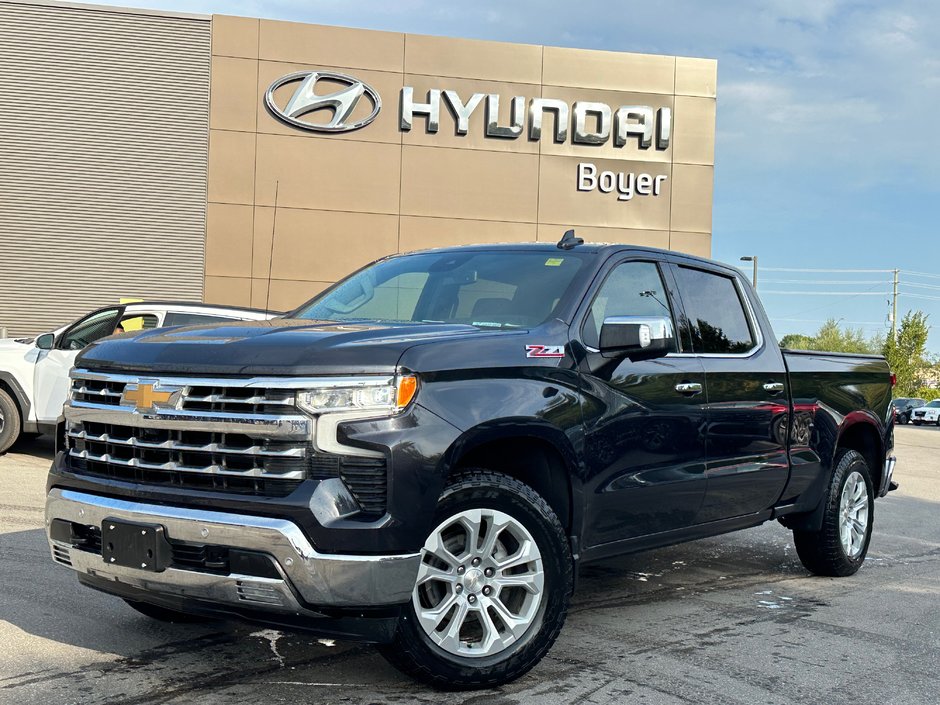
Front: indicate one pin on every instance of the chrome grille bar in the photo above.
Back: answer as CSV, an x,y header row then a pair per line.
x,y
135,442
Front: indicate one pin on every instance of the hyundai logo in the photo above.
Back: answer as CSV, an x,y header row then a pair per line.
x,y
306,100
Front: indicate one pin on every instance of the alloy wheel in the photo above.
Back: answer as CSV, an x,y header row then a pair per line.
x,y
853,515
480,583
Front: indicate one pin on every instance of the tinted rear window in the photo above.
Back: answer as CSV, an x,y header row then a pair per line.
x,y
716,321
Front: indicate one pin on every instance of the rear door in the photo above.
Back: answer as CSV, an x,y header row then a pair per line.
x,y
644,437
51,374
745,378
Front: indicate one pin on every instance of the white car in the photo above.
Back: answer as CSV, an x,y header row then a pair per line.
x,y
34,372
927,414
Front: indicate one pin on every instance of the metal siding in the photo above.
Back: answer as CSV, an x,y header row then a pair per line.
x,y
103,160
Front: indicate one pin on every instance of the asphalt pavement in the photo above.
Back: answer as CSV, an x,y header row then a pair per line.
x,y
732,619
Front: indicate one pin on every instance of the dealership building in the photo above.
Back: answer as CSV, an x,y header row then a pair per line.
x,y
253,162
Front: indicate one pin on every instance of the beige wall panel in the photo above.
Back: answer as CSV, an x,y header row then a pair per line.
x,y
646,238
318,45
228,240
231,291
476,137
692,188
469,183
320,245
579,68
231,167
694,131
561,202
235,36
232,101
419,233
696,77
383,129
691,243
285,295
471,58
615,99
328,174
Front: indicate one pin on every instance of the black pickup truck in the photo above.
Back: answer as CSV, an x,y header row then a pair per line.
x,y
423,455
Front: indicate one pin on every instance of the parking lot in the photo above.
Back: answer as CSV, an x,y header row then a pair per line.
x,y
734,619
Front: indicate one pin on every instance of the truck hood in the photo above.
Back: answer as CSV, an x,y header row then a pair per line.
x,y
276,347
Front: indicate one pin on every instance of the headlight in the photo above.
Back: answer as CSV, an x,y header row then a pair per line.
x,y
383,394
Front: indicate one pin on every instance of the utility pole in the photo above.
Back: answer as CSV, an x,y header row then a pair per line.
x,y
894,307
753,259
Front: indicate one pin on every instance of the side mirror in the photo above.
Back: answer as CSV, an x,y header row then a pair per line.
x,y
45,341
637,337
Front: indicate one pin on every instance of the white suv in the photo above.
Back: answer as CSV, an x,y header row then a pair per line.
x,y
34,372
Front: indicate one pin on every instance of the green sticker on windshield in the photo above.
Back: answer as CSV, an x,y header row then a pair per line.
x,y
554,261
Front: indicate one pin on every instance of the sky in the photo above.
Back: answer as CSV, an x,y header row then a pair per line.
x,y
827,152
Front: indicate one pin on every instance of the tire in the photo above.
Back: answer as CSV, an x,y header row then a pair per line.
x,y
485,651
838,550
164,614
9,421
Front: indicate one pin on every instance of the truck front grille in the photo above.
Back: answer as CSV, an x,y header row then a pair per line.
x,y
242,436
195,397
194,459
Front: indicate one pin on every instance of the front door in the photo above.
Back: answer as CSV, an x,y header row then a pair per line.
x,y
644,421
51,374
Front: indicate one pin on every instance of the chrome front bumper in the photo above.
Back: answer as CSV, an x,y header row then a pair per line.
x,y
307,577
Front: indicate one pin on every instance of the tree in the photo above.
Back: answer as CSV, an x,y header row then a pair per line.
x,y
906,353
831,338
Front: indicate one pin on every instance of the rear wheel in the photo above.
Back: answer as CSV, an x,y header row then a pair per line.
x,y
839,548
164,614
492,590
9,421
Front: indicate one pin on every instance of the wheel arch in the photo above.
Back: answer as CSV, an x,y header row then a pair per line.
x,y
9,385
534,452
860,433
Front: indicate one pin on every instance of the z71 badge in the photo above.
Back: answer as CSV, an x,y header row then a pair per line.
x,y
544,350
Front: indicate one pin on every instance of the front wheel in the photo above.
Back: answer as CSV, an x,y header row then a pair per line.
x,y
839,548
9,421
492,590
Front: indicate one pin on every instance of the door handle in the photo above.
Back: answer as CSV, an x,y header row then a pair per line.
x,y
690,388
773,387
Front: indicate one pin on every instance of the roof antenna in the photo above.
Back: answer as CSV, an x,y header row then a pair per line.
x,y
267,298
569,241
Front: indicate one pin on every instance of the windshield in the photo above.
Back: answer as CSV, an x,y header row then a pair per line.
x,y
934,404
484,289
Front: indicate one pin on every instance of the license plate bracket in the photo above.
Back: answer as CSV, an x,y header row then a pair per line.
x,y
132,544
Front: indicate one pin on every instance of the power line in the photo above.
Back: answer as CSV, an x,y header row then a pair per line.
x,y
920,286
831,293
830,271
830,281
816,320
920,274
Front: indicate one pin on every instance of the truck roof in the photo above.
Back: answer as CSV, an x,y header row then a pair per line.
x,y
598,248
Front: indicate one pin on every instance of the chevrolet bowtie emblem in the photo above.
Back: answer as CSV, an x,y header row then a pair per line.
x,y
144,397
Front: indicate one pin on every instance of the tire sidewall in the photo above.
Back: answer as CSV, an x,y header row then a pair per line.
x,y
849,463
502,494
11,424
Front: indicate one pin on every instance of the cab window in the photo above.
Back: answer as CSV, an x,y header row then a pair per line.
x,y
92,328
715,318
183,318
631,289
137,321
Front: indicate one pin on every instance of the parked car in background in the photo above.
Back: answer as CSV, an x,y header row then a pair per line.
x,y
928,413
904,408
34,372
